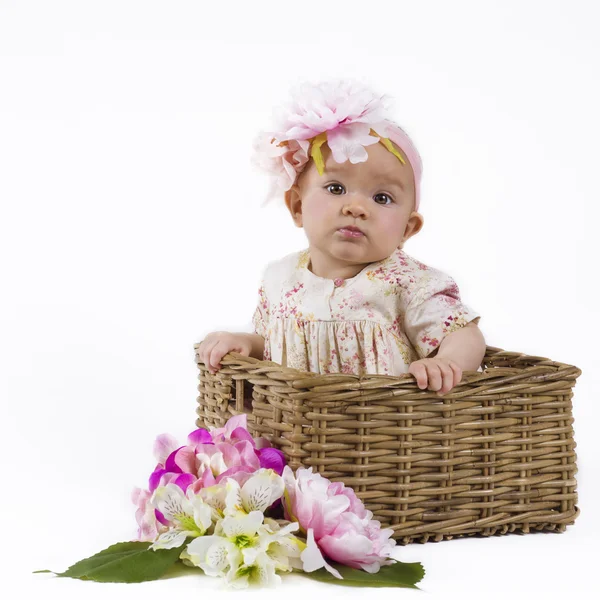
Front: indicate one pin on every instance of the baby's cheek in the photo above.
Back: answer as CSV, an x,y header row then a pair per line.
x,y
318,216
389,231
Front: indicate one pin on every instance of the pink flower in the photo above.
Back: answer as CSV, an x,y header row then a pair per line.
x,y
282,160
149,526
219,434
336,106
346,110
206,459
359,543
343,529
236,431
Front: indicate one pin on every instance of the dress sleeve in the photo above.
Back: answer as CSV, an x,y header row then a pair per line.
x,y
260,319
435,310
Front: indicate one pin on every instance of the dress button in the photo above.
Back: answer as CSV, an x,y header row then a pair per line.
x,y
338,281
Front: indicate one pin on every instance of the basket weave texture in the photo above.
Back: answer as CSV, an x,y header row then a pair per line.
x,y
494,455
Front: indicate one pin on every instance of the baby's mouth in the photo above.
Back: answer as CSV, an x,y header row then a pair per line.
x,y
351,232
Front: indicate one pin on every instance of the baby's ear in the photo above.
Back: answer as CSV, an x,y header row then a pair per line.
x,y
293,201
414,225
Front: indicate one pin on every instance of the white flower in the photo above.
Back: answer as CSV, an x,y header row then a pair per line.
x,y
312,559
262,572
189,513
214,554
217,554
279,544
245,549
258,493
214,496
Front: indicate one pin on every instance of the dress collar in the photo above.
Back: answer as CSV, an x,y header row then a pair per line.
x,y
304,260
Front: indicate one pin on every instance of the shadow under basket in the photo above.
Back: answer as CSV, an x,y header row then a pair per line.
x,y
494,455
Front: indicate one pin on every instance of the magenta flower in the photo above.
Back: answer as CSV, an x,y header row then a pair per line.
x,y
206,459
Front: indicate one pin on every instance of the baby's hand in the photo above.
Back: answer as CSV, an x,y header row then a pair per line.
x,y
218,343
442,374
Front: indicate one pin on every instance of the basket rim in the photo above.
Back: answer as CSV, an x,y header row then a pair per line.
x,y
532,373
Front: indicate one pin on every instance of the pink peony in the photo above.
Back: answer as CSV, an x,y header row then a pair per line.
x,y
346,110
343,529
332,106
343,113
359,543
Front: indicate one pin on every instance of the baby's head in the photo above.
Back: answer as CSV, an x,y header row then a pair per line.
x,y
341,162
376,196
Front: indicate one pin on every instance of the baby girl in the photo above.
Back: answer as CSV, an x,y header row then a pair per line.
x,y
353,301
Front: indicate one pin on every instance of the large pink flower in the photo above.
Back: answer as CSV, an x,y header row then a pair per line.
x,y
344,110
343,529
359,543
330,106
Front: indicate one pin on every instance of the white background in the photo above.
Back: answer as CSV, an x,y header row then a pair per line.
x,y
131,227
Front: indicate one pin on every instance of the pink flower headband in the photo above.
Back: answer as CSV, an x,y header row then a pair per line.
x,y
345,114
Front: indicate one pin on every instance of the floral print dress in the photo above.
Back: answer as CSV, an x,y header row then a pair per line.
x,y
393,312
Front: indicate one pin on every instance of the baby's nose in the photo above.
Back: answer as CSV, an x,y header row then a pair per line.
x,y
356,206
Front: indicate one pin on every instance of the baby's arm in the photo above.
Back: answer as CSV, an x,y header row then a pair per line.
x,y
465,346
258,345
461,350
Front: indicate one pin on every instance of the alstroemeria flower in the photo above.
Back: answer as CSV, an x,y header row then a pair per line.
x,y
223,456
231,447
312,558
216,554
262,572
164,445
245,549
259,492
190,515
220,434
214,496
271,458
149,525
279,544
203,462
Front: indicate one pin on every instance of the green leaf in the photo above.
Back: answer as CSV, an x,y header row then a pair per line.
x,y
396,575
179,569
126,562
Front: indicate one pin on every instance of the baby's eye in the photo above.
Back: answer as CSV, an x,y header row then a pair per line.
x,y
335,185
385,196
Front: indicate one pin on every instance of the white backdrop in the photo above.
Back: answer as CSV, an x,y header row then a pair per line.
x,y
131,226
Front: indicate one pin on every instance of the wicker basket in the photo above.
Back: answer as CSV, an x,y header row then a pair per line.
x,y
494,455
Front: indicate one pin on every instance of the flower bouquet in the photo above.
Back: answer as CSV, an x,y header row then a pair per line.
x,y
227,504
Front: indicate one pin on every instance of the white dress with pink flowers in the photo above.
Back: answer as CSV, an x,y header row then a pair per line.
x,y
392,313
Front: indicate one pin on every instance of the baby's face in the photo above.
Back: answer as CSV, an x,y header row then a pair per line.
x,y
377,196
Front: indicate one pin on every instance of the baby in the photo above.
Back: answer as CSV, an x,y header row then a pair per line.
x,y
353,301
